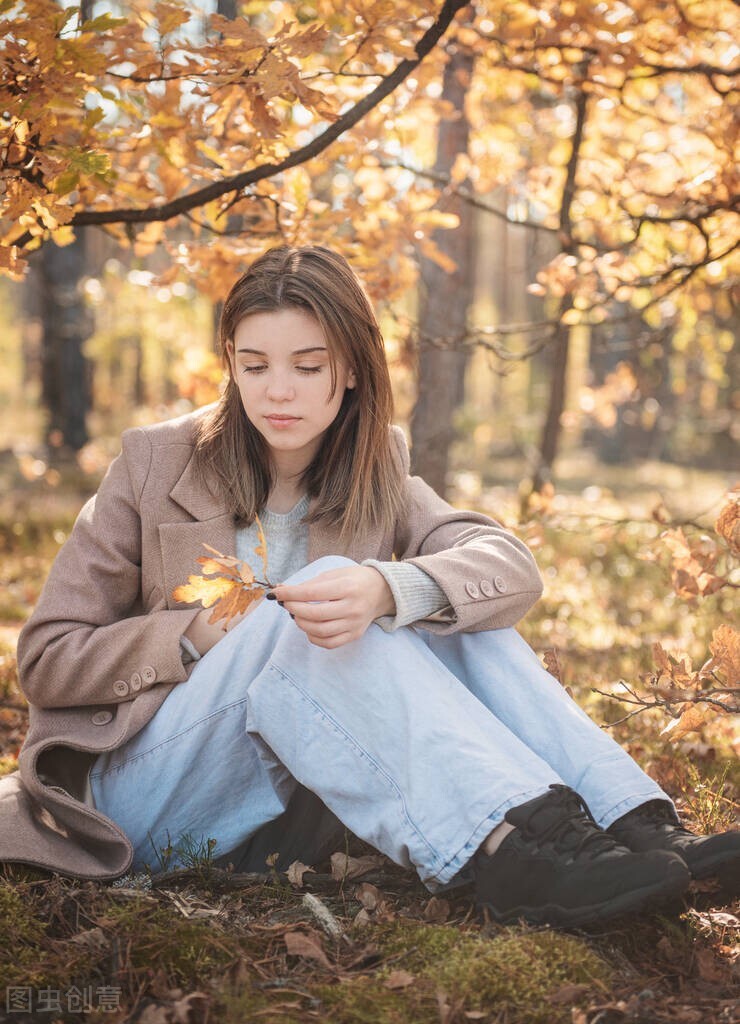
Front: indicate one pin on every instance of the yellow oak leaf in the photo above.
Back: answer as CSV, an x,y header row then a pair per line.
x,y
234,602
199,588
261,549
693,717
725,648
728,524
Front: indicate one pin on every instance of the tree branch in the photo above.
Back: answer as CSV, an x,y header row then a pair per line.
x,y
201,196
467,196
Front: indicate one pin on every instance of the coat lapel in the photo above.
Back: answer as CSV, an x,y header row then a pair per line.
x,y
211,523
182,542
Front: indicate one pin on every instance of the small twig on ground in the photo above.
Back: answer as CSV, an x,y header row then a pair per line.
x,y
324,916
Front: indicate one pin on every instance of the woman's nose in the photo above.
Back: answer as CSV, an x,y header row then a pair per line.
x,y
279,387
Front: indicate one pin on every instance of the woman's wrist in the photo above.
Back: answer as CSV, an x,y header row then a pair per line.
x,y
202,634
384,601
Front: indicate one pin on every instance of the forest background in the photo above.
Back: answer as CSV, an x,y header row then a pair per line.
x,y
541,200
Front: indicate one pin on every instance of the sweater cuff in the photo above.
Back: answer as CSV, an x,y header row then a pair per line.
x,y
416,594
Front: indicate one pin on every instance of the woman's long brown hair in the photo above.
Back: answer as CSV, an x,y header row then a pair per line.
x,y
354,475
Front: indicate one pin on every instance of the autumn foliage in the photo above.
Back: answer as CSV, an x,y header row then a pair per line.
x,y
608,126
226,584
698,567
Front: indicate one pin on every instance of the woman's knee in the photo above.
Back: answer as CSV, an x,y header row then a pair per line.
x,y
323,564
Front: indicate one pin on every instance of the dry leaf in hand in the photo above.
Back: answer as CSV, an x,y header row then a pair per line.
x,y
233,587
198,588
261,549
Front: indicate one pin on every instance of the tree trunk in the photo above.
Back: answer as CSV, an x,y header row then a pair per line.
x,y
227,9
550,436
444,299
551,429
66,326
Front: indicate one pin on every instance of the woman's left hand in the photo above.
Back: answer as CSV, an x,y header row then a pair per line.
x,y
348,601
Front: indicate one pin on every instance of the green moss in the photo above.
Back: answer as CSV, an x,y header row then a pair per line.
x,y
414,945
515,972
521,971
366,1001
21,935
7,765
187,950
245,1003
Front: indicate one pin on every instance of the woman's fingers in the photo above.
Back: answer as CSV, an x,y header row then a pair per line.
x,y
329,629
335,607
330,643
332,585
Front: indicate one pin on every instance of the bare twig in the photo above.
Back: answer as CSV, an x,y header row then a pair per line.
x,y
323,915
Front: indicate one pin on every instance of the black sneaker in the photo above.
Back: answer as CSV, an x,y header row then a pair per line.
x,y
654,826
557,867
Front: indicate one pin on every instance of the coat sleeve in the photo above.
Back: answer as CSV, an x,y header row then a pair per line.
x,y
85,643
489,576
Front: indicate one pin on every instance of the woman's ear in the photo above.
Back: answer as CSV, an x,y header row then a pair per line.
x,y
351,379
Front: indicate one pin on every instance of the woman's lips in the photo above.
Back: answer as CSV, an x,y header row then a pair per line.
x,y
282,421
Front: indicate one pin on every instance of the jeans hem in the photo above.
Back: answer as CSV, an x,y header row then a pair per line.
x,y
629,803
457,862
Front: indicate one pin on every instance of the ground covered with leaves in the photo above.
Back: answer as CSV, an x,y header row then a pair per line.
x,y
358,939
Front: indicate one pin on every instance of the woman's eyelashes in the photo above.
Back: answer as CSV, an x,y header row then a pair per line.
x,y
300,369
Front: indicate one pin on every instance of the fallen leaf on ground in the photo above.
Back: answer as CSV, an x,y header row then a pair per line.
x,y
183,1007
570,993
707,966
296,871
399,979
436,910
306,944
368,895
345,868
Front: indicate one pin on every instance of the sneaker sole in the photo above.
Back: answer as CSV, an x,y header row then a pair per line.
x,y
625,903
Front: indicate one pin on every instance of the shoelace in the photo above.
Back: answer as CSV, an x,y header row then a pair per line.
x,y
573,831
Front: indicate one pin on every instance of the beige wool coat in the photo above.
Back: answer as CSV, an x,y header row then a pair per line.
x,y
102,649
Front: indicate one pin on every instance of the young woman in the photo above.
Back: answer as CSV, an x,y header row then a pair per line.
x,y
381,688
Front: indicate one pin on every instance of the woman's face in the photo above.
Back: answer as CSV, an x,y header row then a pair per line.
x,y
280,363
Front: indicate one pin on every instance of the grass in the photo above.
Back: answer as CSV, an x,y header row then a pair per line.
x,y
203,944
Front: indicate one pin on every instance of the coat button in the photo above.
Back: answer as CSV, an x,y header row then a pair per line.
x,y
500,584
472,589
120,687
486,588
135,682
148,674
102,717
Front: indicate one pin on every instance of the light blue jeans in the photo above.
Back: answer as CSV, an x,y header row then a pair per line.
x,y
418,743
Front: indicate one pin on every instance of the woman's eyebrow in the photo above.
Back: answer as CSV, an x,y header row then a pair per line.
x,y
296,352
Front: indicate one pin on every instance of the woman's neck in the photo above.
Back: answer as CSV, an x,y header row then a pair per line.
x,y
282,498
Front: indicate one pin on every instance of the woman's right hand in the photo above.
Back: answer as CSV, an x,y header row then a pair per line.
x,y
204,635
